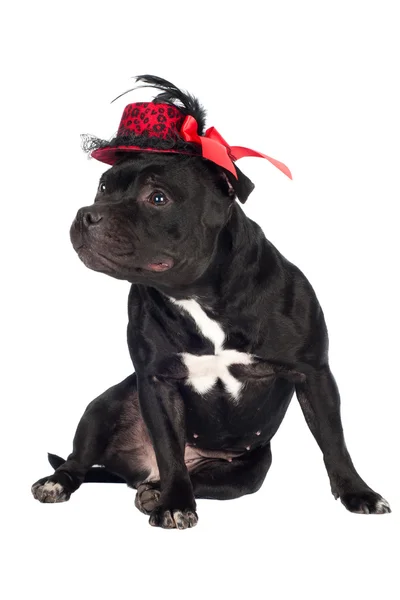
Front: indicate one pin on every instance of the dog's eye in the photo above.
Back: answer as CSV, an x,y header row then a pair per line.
x,y
102,187
158,199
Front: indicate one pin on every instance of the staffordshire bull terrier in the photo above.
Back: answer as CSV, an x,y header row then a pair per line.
x,y
222,328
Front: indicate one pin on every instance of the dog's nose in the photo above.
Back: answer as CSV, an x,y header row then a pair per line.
x,y
91,217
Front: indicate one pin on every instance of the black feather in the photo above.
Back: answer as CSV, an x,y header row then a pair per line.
x,y
170,94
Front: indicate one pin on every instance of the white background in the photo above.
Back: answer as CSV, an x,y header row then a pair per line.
x,y
313,84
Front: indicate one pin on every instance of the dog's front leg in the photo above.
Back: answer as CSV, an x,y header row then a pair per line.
x,y
320,402
163,412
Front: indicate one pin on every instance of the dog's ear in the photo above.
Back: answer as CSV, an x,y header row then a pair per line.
x,y
240,187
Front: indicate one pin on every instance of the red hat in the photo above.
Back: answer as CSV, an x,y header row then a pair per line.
x,y
165,127
144,119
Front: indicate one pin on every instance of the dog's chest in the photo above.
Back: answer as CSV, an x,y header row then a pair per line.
x,y
204,371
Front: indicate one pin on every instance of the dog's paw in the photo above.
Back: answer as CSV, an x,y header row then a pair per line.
x,y
367,503
49,491
147,497
173,518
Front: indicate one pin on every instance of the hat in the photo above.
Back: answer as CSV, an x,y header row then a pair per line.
x,y
174,123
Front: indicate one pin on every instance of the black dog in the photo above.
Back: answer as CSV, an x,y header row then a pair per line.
x,y
222,330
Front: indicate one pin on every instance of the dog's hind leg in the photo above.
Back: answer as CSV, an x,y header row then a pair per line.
x,y
216,479
93,435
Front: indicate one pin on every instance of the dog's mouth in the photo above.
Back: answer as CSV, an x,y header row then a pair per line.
x,y
101,254
88,256
97,261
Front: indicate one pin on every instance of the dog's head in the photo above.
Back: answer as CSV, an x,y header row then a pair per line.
x,y
157,216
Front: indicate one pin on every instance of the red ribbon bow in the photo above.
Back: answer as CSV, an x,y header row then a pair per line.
x,y
216,149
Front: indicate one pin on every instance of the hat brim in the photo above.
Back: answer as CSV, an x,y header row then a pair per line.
x,y
110,155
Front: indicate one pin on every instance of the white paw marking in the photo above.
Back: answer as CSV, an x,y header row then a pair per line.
x,y
184,519
54,488
49,492
204,371
382,506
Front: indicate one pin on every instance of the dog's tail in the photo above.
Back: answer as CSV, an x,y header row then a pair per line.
x,y
94,475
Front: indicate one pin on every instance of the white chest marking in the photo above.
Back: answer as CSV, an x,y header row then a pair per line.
x,y
205,370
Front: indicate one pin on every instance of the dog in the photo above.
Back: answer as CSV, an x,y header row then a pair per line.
x,y
222,330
